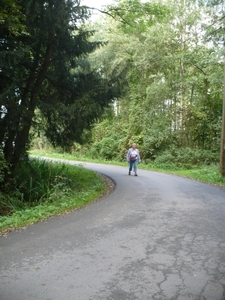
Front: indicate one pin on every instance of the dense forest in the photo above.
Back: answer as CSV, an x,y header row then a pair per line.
x,y
147,72
168,61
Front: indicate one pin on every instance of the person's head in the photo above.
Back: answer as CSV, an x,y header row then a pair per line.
x,y
134,146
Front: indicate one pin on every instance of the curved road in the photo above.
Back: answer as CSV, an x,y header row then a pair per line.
x,y
156,236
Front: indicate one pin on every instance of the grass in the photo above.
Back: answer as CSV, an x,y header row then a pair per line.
x,y
58,188
208,174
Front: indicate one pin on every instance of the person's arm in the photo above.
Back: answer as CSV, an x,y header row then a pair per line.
x,y
128,155
139,157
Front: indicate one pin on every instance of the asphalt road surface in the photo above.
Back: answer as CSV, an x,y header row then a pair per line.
x,y
156,236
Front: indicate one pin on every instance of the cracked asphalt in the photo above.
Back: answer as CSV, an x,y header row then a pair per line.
x,y
155,237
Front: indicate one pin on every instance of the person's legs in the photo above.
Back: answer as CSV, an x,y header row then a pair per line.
x,y
130,166
133,164
135,167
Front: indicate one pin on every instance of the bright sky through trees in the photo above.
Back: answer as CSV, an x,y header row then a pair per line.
x,y
96,3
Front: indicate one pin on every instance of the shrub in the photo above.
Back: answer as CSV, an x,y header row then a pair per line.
x,y
186,157
3,167
107,148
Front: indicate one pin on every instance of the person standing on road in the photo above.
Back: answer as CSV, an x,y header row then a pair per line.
x,y
133,158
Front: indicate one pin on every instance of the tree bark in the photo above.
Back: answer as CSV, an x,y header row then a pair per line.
x,y
22,136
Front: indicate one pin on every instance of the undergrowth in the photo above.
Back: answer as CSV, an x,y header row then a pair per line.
x,y
48,189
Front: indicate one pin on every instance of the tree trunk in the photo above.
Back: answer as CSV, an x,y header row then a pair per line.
x,y
27,113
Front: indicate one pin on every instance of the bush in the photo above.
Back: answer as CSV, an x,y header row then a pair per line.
x,y
107,149
187,157
3,167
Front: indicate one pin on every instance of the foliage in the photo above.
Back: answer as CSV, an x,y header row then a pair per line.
x,y
106,148
3,167
11,17
186,157
46,81
135,16
47,188
171,77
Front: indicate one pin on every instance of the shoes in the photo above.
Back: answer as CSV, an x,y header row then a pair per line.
x,y
129,173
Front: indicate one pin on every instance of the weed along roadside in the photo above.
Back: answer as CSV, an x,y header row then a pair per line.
x,y
54,188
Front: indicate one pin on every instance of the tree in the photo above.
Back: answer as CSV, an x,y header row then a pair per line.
x,y
135,17
11,17
171,81
46,74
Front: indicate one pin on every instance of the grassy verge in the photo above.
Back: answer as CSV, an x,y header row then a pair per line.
x,y
80,158
55,189
208,174
205,173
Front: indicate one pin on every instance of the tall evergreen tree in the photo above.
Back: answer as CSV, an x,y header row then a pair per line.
x,y
44,71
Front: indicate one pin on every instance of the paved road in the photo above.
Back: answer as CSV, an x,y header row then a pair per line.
x,y
156,236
